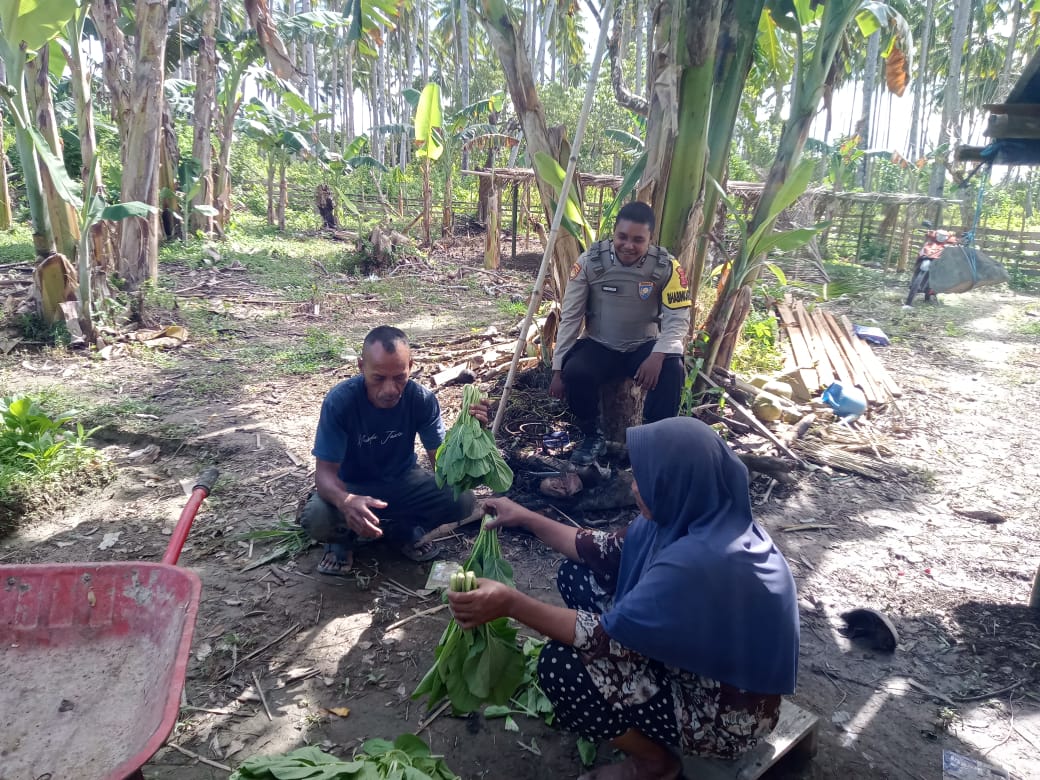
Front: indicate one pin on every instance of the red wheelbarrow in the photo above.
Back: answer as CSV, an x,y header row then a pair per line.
x,y
92,660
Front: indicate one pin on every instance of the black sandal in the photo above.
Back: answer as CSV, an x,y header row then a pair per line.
x,y
337,561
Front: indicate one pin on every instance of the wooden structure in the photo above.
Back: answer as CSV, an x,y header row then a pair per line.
x,y
795,734
1014,125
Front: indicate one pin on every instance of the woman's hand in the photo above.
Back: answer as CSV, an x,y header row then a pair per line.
x,y
488,602
482,411
507,513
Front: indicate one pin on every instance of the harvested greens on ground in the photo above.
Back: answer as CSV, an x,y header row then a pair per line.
x,y
407,756
469,456
483,665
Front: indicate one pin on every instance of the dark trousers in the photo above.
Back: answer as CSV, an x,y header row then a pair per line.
x,y
589,365
415,505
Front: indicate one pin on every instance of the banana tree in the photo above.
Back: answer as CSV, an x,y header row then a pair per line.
x,y
281,139
827,24
429,141
502,26
26,26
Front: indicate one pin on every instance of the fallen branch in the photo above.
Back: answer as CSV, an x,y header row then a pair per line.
x,y
260,693
255,653
197,757
423,613
427,721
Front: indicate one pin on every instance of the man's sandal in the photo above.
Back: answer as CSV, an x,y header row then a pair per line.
x,y
337,561
420,551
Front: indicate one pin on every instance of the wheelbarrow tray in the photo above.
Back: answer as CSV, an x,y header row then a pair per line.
x,y
92,663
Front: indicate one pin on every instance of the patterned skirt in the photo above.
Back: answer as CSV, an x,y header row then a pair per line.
x,y
600,689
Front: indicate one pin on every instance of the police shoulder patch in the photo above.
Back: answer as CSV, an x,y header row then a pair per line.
x,y
676,294
575,270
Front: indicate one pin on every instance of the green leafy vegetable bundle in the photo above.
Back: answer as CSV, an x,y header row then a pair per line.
x,y
469,456
379,759
483,665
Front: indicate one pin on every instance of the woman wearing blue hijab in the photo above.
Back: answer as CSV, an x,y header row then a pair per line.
x,y
681,630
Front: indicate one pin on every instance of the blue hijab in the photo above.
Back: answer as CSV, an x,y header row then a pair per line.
x,y
701,586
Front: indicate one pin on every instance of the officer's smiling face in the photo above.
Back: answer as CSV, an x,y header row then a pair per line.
x,y
631,240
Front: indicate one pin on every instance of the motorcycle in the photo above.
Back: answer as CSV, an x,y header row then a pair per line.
x,y
936,240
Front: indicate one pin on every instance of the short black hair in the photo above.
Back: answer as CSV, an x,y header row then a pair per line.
x,y
386,336
638,212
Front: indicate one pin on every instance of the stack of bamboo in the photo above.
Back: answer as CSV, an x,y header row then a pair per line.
x,y
824,349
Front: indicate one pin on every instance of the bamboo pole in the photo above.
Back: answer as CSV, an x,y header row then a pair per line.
x,y
561,204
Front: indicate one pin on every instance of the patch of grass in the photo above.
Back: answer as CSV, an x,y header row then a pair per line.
x,y
34,328
319,350
16,245
1027,326
511,308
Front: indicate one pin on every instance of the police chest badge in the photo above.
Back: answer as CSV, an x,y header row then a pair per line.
x,y
646,289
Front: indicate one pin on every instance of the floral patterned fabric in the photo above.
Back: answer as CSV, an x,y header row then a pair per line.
x,y
601,689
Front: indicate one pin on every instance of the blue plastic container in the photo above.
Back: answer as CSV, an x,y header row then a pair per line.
x,y
845,400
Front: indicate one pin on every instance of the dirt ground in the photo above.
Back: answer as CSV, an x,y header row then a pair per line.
x,y
947,551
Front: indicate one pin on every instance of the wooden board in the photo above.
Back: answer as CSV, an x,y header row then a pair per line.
x,y
803,357
877,369
860,375
796,730
823,363
823,333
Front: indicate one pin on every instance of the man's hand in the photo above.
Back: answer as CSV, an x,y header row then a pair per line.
x,y
649,371
488,602
556,387
482,411
357,510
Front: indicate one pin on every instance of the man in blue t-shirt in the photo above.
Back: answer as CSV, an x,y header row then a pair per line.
x,y
367,471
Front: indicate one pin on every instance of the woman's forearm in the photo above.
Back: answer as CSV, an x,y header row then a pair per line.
x,y
556,535
555,622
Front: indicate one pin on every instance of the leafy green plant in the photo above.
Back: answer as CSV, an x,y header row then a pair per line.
x,y
406,757
529,700
480,665
469,456
757,351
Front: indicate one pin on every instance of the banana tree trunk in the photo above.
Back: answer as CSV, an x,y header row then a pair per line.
x,y
171,212
62,214
230,102
271,170
427,196
677,126
135,85
509,47
283,190
43,238
738,33
205,99
5,192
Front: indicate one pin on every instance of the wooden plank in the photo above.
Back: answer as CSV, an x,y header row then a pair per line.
x,y
872,362
860,376
796,730
823,365
803,357
834,353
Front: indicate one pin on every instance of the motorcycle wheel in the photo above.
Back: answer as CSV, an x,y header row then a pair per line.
x,y
918,284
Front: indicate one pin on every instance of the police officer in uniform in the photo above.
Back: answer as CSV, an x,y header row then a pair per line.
x,y
634,302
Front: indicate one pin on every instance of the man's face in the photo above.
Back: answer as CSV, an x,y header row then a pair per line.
x,y
631,240
386,373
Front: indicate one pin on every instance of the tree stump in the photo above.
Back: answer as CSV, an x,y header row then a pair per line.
x,y
621,407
